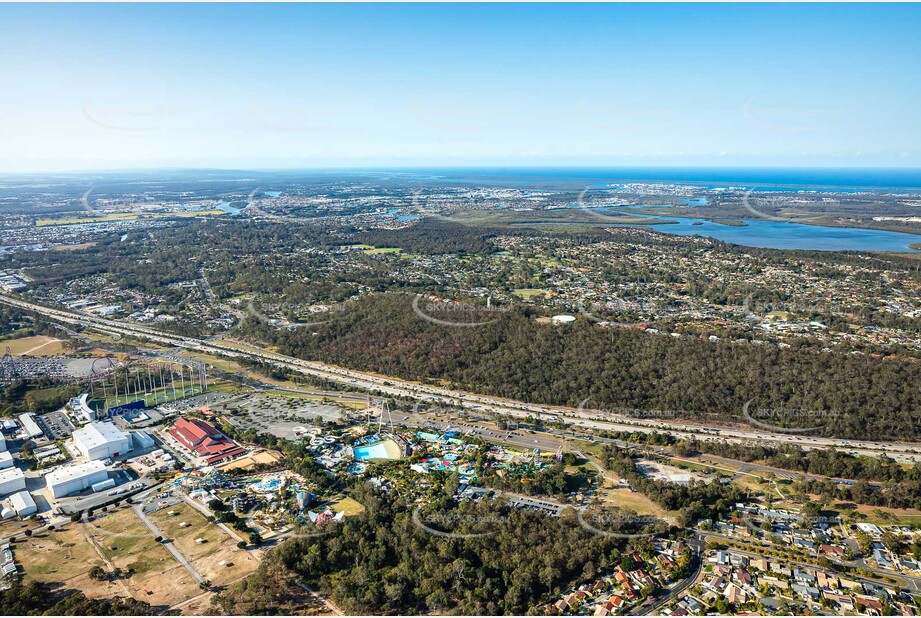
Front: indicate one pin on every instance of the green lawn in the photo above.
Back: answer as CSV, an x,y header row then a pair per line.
x,y
529,293
372,250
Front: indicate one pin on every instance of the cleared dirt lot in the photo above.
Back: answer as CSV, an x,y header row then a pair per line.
x,y
64,558
663,472
205,557
126,542
635,501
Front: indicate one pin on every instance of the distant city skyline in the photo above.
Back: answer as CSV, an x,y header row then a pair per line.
x,y
99,87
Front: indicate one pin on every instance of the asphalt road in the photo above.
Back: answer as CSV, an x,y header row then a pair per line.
x,y
585,418
914,582
656,603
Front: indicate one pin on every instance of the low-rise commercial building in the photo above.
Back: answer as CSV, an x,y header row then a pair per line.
x,y
29,426
23,503
101,440
141,439
205,440
81,407
72,479
11,480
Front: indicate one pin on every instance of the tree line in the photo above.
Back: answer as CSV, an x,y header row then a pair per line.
x,y
515,355
381,562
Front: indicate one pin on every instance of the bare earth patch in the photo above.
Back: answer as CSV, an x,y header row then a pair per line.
x,y
217,547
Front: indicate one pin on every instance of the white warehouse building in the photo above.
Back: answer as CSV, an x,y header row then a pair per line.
x,y
29,426
6,460
12,480
65,481
23,503
141,439
101,440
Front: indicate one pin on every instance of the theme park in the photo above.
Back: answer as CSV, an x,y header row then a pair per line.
x,y
165,458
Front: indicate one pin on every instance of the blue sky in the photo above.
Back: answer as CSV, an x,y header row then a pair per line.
x,y
118,86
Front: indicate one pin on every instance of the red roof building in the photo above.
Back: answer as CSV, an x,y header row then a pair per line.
x,y
205,440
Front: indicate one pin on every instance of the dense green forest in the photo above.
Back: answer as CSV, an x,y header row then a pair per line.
x,y
550,481
431,236
903,495
37,395
381,562
516,356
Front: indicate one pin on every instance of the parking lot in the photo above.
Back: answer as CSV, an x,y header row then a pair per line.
x,y
280,416
522,502
147,464
206,399
56,425
162,500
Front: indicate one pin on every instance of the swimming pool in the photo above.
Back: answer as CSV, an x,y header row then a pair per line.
x,y
356,468
267,485
386,449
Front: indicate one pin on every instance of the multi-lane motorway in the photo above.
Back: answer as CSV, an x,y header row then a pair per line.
x,y
582,418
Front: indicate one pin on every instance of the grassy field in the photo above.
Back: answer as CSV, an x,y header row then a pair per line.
x,y
14,527
160,395
700,466
783,315
63,557
53,396
298,396
887,516
158,578
349,505
223,386
633,500
376,251
85,245
372,250
529,293
217,546
40,345
126,216
126,541
352,404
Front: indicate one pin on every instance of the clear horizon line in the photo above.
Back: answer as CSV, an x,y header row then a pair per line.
x,y
174,168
